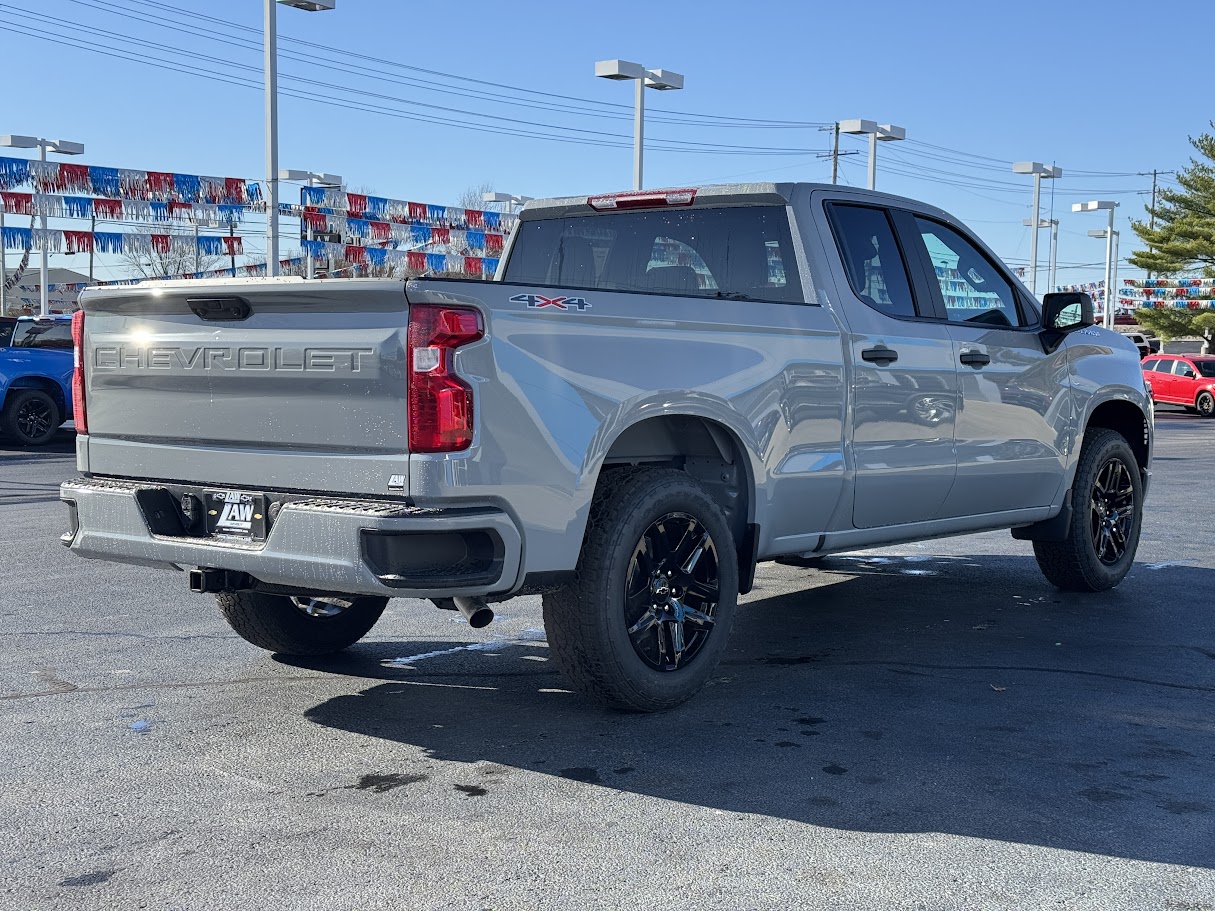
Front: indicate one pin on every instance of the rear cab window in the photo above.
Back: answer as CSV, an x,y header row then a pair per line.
x,y
54,334
734,252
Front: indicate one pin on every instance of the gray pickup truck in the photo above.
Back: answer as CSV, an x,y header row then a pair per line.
x,y
658,391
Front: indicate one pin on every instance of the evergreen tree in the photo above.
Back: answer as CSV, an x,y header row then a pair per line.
x,y
1184,236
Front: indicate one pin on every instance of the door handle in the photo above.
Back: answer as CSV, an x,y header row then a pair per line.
x,y
974,358
881,355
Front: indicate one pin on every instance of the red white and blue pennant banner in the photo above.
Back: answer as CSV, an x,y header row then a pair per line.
x,y
1171,293
412,260
378,208
468,241
151,210
1208,283
55,241
125,183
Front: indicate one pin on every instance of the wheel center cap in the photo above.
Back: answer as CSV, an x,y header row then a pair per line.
x,y
660,587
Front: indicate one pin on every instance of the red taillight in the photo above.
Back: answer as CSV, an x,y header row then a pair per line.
x,y
440,402
645,199
79,413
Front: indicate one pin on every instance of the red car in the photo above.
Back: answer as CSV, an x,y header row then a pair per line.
x,y
1187,380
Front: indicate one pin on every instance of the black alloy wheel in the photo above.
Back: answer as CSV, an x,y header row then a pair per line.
x,y
672,592
1206,405
35,418
1112,511
30,416
646,617
1102,529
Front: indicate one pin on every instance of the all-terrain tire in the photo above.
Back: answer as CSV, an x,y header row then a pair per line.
x,y
275,623
586,620
1073,564
31,417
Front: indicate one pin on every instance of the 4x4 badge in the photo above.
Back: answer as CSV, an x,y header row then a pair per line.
x,y
537,302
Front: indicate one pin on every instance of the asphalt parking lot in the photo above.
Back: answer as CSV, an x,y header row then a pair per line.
x,y
923,727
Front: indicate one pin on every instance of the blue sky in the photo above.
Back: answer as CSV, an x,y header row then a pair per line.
x,y
977,86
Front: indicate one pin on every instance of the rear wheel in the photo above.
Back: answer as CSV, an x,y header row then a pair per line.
x,y
31,417
649,613
300,626
1107,511
1205,404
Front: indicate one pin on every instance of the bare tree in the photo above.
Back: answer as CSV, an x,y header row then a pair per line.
x,y
474,198
179,259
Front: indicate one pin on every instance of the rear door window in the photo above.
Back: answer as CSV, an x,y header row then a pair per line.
x,y
743,252
872,260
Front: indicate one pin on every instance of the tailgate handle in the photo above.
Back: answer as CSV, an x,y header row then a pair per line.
x,y
220,308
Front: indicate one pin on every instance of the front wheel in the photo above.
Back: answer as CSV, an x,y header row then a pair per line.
x,y
1107,512
1205,404
31,417
649,613
319,625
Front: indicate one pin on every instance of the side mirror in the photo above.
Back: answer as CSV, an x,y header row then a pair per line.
x,y
1062,313
1065,311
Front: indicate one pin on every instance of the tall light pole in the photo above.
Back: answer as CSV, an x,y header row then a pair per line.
x,y
1039,171
662,80
270,36
510,200
1111,262
1053,224
884,132
312,179
61,147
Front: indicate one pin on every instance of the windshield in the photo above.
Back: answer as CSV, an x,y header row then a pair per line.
x,y
1206,368
742,253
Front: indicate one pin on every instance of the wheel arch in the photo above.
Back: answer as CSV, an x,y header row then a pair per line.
x,y
710,451
45,384
1128,420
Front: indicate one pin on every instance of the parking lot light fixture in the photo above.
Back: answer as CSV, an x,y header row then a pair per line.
x,y
270,52
883,132
508,198
1039,171
1111,263
60,147
1053,224
312,179
661,80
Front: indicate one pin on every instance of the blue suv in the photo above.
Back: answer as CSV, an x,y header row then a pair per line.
x,y
35,377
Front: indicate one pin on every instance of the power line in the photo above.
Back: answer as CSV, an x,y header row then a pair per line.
x,y
621,110
510,122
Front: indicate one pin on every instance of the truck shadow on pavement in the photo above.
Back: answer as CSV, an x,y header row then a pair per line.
x,y
965,696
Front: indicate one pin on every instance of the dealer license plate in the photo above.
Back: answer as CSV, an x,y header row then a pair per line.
x,y
235,514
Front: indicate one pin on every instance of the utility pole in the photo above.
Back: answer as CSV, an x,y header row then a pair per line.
x,y
835,153
1152,211
232,247
92,243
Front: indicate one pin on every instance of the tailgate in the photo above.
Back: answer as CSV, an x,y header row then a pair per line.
x,y
276,384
